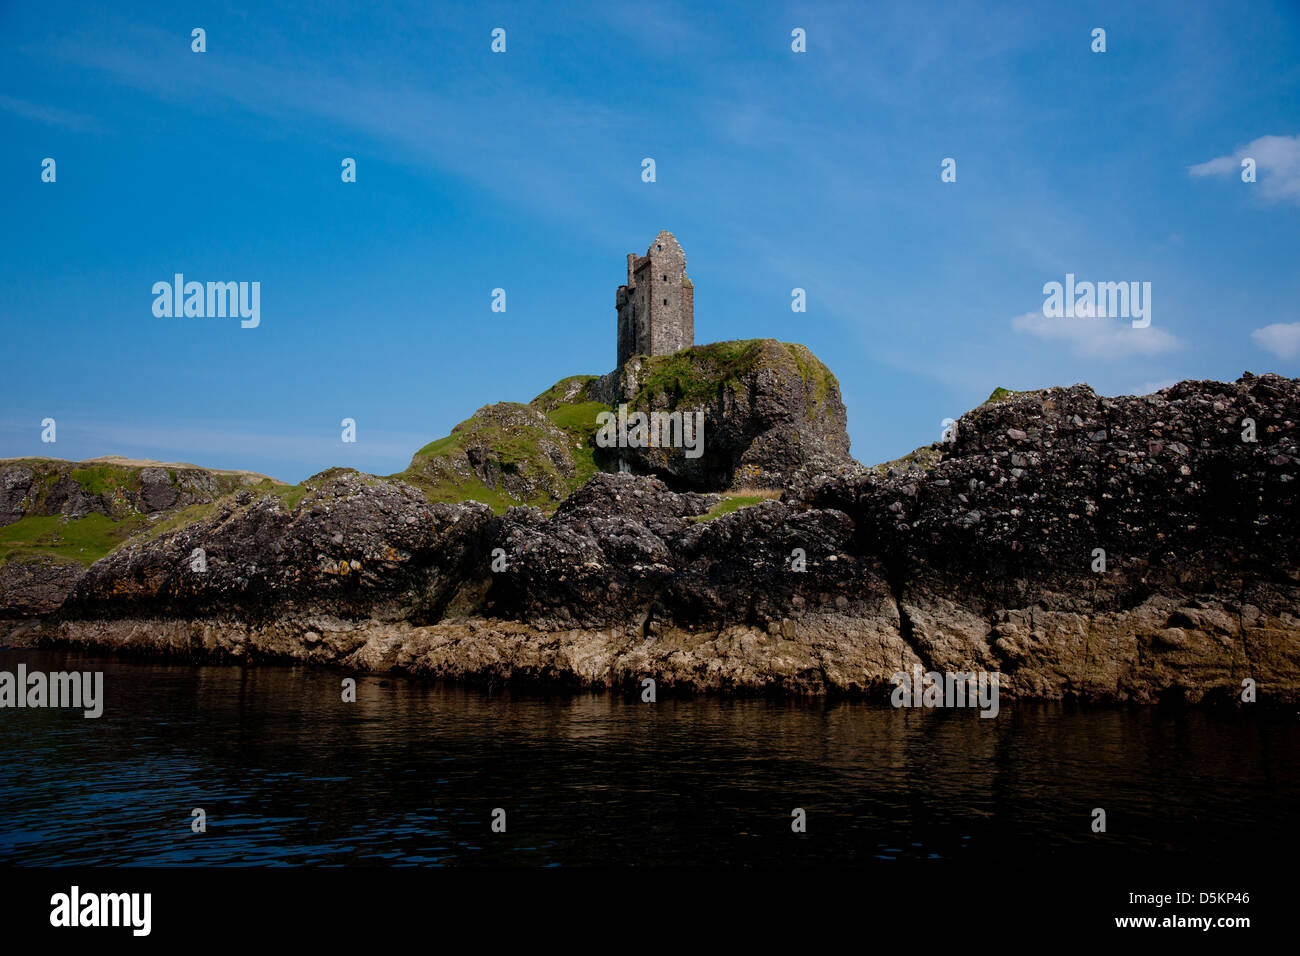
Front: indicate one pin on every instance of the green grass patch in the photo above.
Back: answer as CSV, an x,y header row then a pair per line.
x,y
103,479
178,519
727,505
999,394
554,395
578,422
439,447
696,376
291,495
512,446
473,490
84,540
515,447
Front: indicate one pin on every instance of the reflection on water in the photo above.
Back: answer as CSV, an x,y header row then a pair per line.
x,y
410,773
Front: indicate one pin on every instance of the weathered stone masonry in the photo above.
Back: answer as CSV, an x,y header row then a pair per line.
x,y
656,309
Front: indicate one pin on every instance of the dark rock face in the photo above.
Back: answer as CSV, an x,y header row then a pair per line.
x,y
157,491
15,485
356,547
769,409
37,587
984,556
601,558
1032,486
1130,528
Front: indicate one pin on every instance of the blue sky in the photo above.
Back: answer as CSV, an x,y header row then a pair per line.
x,y
522,170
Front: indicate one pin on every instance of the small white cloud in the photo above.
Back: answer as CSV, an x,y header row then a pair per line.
x,y
1280,338
1152,387
1098,337
1216,167
1277,161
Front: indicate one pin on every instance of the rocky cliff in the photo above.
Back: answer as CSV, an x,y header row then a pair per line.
x,y
771,410
1134,548
57,517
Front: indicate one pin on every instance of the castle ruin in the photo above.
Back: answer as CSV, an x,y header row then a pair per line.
x,y
656,309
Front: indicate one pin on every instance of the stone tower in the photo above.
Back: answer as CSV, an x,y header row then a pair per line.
x,y
656,309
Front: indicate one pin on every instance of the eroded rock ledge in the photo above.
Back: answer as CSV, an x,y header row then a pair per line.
x,y
982,559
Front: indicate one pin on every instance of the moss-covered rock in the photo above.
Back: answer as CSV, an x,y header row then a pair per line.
x,y
504,454
120,489
771,410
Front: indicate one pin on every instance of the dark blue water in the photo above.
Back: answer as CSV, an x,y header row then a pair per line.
x,y
289,774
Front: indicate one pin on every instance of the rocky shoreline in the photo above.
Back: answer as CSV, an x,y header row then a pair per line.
x,y
1129,549
1115,657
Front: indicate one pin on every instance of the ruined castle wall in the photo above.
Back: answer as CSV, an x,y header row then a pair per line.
x,y
688,313
656,309
665,270
625,339
642,310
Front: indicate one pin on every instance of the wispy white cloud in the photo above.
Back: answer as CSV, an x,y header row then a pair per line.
x,y
527,154
1280,338
48,114
1277,162
1098,338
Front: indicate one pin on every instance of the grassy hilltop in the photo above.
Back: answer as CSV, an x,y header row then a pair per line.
x,y
509,453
